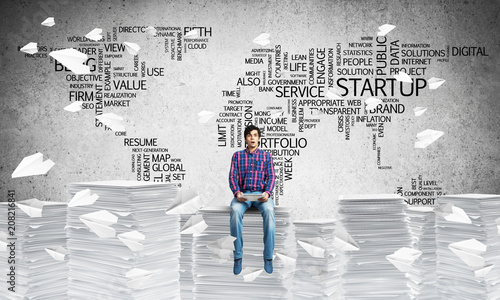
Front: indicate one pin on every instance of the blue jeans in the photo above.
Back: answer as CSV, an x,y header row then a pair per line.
x,y
236,224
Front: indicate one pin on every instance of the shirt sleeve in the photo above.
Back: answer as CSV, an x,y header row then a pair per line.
x,y
269,178
233,175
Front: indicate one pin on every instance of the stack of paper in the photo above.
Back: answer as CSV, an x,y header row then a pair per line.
x,y
39,247
423,273
213,257
468,246
379,225
317,270
123,245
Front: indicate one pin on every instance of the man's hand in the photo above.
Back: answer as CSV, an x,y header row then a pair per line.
x,y
239,198
264,198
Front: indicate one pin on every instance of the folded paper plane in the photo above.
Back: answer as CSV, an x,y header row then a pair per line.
x,y
83,197
3,241
72,59
132,240
276,114
402,76
188,201
132,48
262,39
316,247
33,165
95,34
249,274
30,48
151,30
288,258
434,83
113,121
497,220
483,271
385,29
74,107
49,22
225,243
427,137
372,103
343,241
334,93
204,116
195,225
452,213
138,278
404,258
32,207
99,222
419,111
192,34
469,251
57,253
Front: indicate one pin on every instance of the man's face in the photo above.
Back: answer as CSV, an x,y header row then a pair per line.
x,y
252,139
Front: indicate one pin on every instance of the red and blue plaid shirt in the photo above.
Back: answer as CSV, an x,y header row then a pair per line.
x,y
251,171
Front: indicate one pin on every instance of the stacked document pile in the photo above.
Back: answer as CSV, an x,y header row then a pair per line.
x,y
39,259
213,257
423,272
316,274
121,244
468,246
186,262
379,224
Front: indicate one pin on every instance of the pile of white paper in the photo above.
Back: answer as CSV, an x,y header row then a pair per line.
x,y
186,262
213,257
123,246
423,273
39,262
379,225
317,270
468,246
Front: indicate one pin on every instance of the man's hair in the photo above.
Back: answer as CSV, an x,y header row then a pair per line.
x,y
250,128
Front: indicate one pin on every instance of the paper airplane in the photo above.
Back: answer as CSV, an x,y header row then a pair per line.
x,y
137,278
187,201
316,111
249,274
497,220
402,76
151,30
57,253
204,116
288,258
132,240
132,48
99,222
74,107
452,213
195,225
419,111
72,59
334,93
434,83
483,271
262,39
427,137
343,241
276,114
283,73
30,48
32,207
385,29
404,258
33,165
95,34
49,22
316,247
3,241
225,243
82,198
372,103
113,121
317,272
192,34
469,251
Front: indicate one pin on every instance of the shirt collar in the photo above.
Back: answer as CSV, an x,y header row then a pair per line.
x,y
254,152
